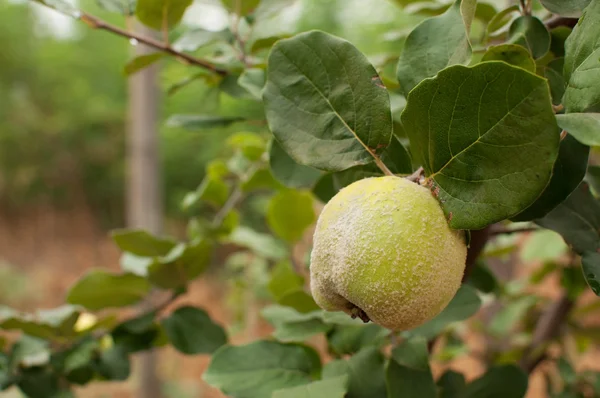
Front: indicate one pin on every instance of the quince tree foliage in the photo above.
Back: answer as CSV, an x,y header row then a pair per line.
x,y
491,111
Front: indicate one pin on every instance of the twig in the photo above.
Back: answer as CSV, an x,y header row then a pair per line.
x,y
547,328
525,7
507,231
230,204
416,176
97,23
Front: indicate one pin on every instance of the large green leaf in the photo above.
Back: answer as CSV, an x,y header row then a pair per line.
x,y
582,62
485,156
568,8
161,14
287,287
181,265
289,213
287,171
191,331
583,126
408,373
531,33
463,305
258,369
325,102
507,381
335,387
100,289
365,371
435,44
141,243
568,172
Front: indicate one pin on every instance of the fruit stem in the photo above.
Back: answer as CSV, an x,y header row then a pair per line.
x,y
358,313
416,176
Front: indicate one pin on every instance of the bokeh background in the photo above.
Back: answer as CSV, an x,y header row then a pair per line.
x,y
63,126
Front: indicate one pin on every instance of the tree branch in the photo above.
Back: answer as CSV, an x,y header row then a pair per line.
x,y
547,328
97,23
479,239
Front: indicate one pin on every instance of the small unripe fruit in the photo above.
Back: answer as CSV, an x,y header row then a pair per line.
x,y
383,251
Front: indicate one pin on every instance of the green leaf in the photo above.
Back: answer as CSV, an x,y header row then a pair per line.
x,y
260,179
556,81
291,325
39,382
133,264
284,280
583,126
61,6
123,7
136,334
299,300
161,14
582,62
193,39
593,178
435,44
262,244
451,384
287,171
506,381
348,340
569,170
506,319
465,304
408,373
482,278
511,54
47,324
365,372
141,62
212,190
577,219
570,8
258,369
500,20
141,243
250,144
543,246
113,363
99,289
183,264
253,80
241,7
191,331
331,388
531,33
289,213
202,122
464,148
313,107
590,262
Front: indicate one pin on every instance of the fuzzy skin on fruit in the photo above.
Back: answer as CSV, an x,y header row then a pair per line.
x,y
382,245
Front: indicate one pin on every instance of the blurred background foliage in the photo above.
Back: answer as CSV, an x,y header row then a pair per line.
x,y
63,108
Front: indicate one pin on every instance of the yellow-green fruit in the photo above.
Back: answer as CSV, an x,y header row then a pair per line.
x,y
382,247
